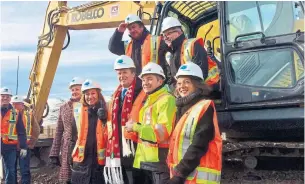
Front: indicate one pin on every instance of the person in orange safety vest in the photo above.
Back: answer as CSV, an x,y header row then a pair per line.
x,y
12,134
195,152
142,47
90,134
183,50
32,132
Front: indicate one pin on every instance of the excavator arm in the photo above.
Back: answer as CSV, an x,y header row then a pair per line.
x,y
59,19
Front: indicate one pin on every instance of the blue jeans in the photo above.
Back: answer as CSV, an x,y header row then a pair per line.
x,y
9,159
24,164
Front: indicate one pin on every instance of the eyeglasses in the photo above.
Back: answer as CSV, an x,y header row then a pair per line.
x,y
166,35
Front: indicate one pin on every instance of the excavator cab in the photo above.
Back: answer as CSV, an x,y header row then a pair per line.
x,y
259,49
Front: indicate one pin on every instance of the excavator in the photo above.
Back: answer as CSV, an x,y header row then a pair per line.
x,y
257,45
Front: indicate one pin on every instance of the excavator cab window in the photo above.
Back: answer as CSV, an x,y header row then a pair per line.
x,y
269,17
274,68
261,60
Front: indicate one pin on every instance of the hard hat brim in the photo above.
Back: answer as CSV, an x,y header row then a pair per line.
x,y
74,85
141,75
6,94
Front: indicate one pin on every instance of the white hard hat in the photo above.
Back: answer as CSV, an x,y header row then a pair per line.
x,y
123,62
131,18
76,81
170,22
190,69
89,84
17,99
152,68
6,91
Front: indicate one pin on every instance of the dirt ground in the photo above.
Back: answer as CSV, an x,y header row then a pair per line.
x,y
46,175
271,172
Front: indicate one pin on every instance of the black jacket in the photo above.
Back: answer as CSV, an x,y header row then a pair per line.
x,y
200,58
204,133
89,171
116,46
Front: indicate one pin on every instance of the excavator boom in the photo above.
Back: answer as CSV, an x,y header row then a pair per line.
x,y
107,14
58,20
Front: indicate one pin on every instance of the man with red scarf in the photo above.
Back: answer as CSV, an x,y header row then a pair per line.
x,y
121,145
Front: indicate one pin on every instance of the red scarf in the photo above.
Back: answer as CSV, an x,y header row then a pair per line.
x,y
113,170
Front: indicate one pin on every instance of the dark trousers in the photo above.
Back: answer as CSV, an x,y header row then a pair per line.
x,y
134,176
9,159
24,165
139,176
87,174
156,177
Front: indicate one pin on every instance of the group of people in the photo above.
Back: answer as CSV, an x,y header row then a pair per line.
x,y
18,135
160,126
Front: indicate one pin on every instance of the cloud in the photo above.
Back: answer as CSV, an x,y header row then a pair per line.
x,y
22,28
87,54
74,57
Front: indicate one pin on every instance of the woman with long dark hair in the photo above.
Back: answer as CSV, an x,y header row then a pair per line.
x,y
90,136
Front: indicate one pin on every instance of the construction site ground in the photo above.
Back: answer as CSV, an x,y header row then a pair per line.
x,y
233,173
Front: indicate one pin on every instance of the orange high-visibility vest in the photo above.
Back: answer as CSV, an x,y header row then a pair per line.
x,y
134,115
187,54
27,124
8,127
81,119
150,49
209,169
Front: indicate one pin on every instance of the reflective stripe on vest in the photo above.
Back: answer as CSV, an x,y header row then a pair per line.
x,y
12,134
149,49
8,127
76,112
187,133
159,129
187,54
209,169
154,47
204,175
27,124
81,119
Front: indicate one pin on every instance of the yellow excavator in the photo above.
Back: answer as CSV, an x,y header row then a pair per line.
x,y
259,49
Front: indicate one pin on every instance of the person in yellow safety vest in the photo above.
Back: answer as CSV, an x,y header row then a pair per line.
x,y
142,48
63,134
195,152
155,125
126,102
12,133
185,50
90,134
32,132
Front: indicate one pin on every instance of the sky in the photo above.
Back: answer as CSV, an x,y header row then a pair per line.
x,y
87,55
